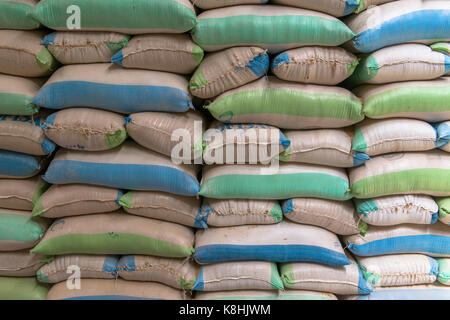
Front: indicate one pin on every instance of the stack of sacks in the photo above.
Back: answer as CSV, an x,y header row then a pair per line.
x,y
123,208
404,252
248,251
24,149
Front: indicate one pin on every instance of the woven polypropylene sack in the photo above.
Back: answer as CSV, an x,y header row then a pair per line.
x,y
265,295
16,14
21,194
19,263
16,94
335,8
15,288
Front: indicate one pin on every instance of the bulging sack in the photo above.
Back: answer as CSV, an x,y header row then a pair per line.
x,y
375,137
90,267
423,100
336,216
19,231
444,271
404,62
128,166
211,4
19,263
239,275
110,87
265,295
399,270
263,182
14,165
114,289
443,132
86,129
143,16
161,132
328,147
282,242
417,292
399,22
395,210
288,105
235,212
432,240
444,210
176,273
76,200
164,206
402,173
14,288
23,55
116,233
21,194
343,280
16,14
317,65
271,27
70,47
16,94
228,69
335,8
175,53
242,143
25,134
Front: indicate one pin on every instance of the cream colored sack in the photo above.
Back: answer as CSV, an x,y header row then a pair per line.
x,y
84,47
164,206
23,54
21,194
318,65
265,295
19,264
329,147
399,270
109,289
228,69
235,212
337,216
176,273
242,143
175,53
239,275
154,130
89,267
76,200
344,280
86,129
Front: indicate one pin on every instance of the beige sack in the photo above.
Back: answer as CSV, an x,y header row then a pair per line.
x,y
337,8
265,295
164,206
239,275
22,54
25,134
175,53
319,65
154,131
17,93
329,147
228,69
21,194
107,289
210,4
76,200
337,216
86,129
176,273
235,212
70,47
83,266
242,143
19,264
116,233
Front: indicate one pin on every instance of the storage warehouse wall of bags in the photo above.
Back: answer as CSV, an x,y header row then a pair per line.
x,y
225,149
